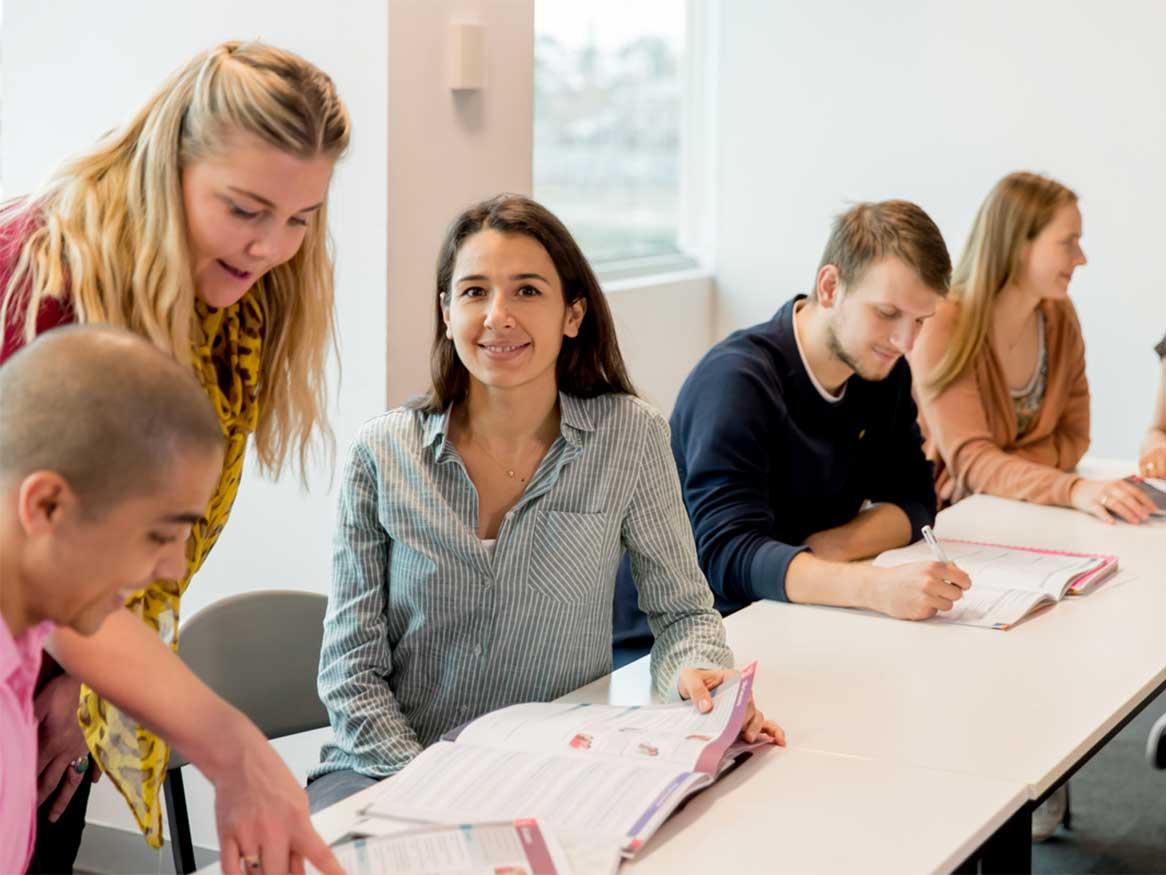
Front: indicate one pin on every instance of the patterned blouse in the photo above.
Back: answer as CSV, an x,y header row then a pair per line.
x,y
1028,399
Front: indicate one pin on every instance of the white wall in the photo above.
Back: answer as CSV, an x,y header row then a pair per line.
x,y
664,327
74,69
826,103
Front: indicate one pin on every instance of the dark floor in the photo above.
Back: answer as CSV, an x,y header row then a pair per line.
x,y
1119,810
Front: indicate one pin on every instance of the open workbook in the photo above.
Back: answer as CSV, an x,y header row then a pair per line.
x,y
508,848
1008,583
607,773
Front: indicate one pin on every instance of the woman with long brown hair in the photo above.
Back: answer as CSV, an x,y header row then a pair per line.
x,y
1000,370
200,225
480,528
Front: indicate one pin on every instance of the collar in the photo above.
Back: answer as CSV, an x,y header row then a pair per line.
x,y
574,418
434,428
16,653
792,363
574,421
817,384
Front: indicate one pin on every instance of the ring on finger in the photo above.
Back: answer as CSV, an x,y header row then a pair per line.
x,y
252,862
80,765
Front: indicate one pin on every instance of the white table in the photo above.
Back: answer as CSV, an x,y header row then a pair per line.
x,y
913,744
1029,705
1022,705
801,811
804,811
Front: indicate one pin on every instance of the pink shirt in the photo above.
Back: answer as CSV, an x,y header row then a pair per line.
x,y
19,664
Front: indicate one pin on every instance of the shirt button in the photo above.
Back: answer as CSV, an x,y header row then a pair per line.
x,y
477,650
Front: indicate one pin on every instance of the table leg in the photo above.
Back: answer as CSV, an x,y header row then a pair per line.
x,y
1010,847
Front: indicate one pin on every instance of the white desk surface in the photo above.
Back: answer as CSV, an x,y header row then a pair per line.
x,y
784,810
1018,705
800,811
915,741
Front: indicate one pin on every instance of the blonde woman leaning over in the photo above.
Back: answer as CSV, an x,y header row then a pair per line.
x,y
202,226
1153,460
1000,370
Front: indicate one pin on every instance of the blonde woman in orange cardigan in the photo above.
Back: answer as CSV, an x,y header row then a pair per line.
x,y
1000,370
1000,373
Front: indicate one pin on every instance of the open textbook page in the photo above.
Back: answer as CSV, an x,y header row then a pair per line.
x,y
583,856
509,848
1008,583
608,772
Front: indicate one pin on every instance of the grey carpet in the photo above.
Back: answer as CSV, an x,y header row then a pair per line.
x,y
1119,810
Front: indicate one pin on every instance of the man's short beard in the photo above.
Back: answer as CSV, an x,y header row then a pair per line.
x,y
836,350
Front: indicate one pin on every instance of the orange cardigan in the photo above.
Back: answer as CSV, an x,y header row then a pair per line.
x,y
970,428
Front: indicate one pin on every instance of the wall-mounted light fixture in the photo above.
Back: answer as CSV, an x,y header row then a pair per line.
x,y
467,56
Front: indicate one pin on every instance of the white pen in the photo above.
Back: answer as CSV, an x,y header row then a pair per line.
x,y
936,550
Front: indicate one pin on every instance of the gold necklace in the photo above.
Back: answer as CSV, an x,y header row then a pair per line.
x,y
510,472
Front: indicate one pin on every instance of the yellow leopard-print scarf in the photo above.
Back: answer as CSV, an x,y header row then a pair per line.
x,y
227,362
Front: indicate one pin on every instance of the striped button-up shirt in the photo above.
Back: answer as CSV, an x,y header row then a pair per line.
x,y
426,628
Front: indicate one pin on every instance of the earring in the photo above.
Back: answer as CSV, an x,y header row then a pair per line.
x,y
448,333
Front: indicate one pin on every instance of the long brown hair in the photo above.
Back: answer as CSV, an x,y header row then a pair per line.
x,y
109,230
1015,211
589,364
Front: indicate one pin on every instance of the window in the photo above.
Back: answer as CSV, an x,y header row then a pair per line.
x,y
610,87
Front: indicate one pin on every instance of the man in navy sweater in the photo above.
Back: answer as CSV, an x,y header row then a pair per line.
x,y
797,444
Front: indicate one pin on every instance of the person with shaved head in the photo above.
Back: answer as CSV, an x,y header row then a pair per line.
x,y
109,453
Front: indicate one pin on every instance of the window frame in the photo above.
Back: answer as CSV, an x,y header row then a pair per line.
x,y
696,219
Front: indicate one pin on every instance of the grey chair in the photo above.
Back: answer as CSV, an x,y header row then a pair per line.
x,y
1156,744
260,651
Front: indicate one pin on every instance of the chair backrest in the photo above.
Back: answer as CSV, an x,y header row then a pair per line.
x,y
261,652
1156,744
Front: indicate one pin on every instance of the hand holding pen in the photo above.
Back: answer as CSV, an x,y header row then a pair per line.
x,y
936,550
919,590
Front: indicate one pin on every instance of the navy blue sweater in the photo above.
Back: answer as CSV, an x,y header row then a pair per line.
x,y
765,461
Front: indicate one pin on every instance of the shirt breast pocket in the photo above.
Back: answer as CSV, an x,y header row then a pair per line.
x,y
567,556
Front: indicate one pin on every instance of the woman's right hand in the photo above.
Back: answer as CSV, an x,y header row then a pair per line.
x,y
1112,499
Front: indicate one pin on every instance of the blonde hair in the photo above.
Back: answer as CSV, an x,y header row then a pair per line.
x,y
108,231
1016,210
